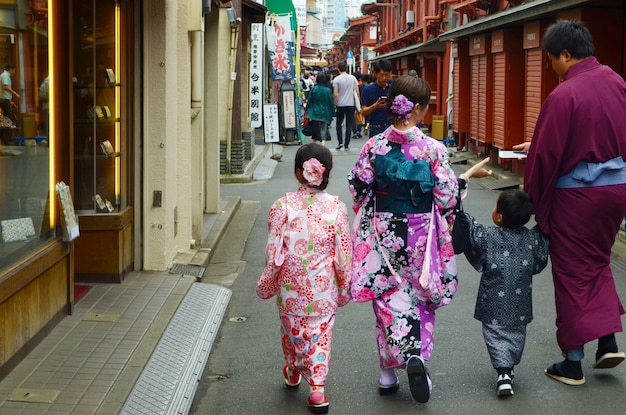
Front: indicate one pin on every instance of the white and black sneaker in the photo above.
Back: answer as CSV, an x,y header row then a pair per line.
x,y
504,385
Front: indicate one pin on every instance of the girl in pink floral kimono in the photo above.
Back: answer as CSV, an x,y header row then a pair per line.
x,y
308,262
401,182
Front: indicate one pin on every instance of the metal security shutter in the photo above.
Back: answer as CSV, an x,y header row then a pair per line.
x,y
485,100
475,94
533,93
456,90
499,99
462,88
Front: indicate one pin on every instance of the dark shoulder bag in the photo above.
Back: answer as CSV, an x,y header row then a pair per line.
x,y
460,230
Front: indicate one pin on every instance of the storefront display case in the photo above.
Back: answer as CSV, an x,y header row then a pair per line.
x,y
101,142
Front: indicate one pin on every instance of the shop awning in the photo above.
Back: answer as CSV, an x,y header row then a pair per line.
x,y
314,62
517,14
433,45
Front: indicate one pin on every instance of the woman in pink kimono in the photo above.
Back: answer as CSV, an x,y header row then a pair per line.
x,y
308,261
401,182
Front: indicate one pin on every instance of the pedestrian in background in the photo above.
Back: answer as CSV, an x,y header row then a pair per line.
x,y
6,82
507,256
308,261
320,108
307,84
401,182
576,177
345,88
373,99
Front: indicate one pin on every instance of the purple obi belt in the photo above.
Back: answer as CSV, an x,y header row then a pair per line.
x,y
585,174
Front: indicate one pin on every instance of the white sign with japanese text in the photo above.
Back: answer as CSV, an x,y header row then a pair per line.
x,y
289,109
256,75
300,6
270,123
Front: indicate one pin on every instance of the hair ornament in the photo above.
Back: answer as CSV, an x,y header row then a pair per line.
x,y
313,171
401,107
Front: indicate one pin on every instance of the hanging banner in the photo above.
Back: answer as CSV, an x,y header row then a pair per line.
x,y
256,75
281,48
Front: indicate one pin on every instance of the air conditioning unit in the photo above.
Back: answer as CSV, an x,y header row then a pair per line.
x,y
410,18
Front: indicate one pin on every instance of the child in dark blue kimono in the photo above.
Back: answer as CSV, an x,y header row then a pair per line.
x,y
507,256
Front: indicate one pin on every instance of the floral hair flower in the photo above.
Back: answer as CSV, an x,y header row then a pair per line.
x,y
313,171
402,107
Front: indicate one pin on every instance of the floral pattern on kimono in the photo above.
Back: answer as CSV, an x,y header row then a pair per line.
x,y
404,313
308,262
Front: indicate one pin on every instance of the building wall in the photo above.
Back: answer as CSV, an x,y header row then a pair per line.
x,y
217,49
166,141
314,30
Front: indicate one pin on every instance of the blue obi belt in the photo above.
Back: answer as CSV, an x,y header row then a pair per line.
x,y
585,174
402,186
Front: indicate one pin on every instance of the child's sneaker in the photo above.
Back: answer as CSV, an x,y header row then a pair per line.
x,y
504,387
293,380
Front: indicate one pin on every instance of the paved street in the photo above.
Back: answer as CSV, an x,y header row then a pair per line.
x,y
243,374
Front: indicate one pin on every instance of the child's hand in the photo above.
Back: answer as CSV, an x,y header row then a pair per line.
x,y
477,170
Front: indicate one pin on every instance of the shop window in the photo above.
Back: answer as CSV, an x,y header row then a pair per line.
x,y
25,213
100,106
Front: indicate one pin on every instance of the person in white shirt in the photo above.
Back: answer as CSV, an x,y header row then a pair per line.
x,y
7,92
345,89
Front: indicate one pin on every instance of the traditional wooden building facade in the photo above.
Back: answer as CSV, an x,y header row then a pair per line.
x,y
483,59
521,74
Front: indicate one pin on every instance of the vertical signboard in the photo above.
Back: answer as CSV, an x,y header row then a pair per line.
x,y
270,123
289,109
256,75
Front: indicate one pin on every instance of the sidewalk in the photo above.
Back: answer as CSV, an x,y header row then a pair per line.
x,y
138,347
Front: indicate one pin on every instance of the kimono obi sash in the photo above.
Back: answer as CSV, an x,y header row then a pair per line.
x,y
585,174
401,185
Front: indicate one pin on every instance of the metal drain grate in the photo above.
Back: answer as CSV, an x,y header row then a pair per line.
x,y
191,270
500,184
170,378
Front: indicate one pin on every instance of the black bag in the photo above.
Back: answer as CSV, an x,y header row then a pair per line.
x,y
307,127
460,230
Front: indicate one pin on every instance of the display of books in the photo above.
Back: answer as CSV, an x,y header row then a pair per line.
x,y
110,75
108,150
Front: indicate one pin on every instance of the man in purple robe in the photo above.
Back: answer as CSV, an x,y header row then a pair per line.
x,y
576,176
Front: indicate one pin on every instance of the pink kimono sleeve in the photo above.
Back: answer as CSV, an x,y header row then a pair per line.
x,y
343,255
268,285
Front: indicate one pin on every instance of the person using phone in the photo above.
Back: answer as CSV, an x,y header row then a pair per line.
x,y
374,99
